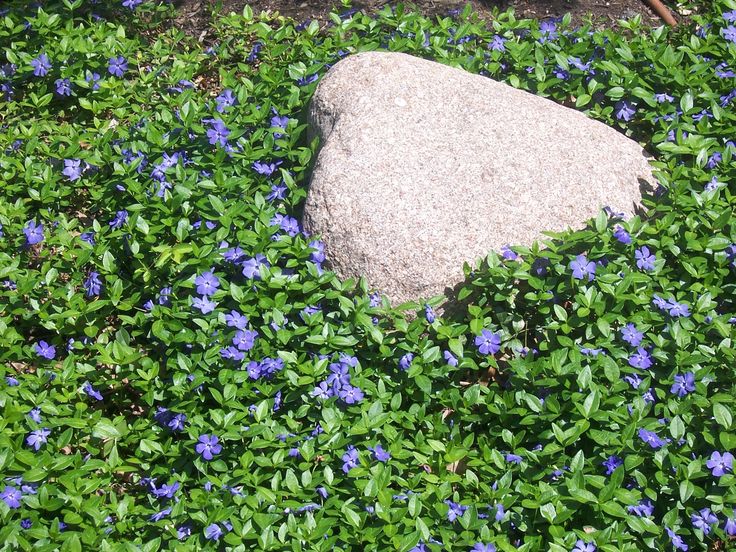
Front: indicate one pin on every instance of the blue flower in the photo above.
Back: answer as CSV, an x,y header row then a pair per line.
x,y
33,232
631,335
514,458
225,100
483,547
624,110
63,87
645,508
611,463
121,217
677,541
218,132
498,43
450,358
117,66
488,343
455,510
640,359
582,268
644,259
582,546
11,496
213,532
91,391
208,446
405,361
651,438
44,350
93,284
207,283
380,454
41,65
72,169
204,304
684,384
704,520
350,459
38,438
429,314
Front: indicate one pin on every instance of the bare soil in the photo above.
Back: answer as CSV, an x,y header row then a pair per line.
x,y
195,16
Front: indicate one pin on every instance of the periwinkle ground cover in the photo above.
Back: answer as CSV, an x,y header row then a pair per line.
x,y
181,371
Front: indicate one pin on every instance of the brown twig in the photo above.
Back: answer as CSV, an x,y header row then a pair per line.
x,y
662,11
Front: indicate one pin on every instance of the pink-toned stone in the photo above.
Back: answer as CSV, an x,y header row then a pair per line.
x,y
423,167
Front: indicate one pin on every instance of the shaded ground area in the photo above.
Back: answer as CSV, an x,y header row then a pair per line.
x,y
195,15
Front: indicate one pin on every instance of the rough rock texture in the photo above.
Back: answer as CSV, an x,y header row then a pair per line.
x,y
423,166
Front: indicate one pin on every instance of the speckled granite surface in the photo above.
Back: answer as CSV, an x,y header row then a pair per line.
x,y
423,166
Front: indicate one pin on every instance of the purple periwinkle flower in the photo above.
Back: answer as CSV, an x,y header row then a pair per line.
x,y
236,320
631,335
624,110
729,33
676,539
622,235
704,520
582,546
218,132
498,43
41,65
94,80
33,232
121,217
611,463
38,437
582,268
208,446
488,342
455,510
91,391
225,100
644,258
117,66
651,438
405,361
213,532
266,169
204,304
645,508
207,283
72,169
350,394
720,464
640,359
677,310
684,384
429,314
483,547
35,415
63,87
730,526
44,350
93,284
350,459
514,459
379,453
251,266
450,358
11,496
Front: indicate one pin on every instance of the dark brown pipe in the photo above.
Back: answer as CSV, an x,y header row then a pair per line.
x,y
662,11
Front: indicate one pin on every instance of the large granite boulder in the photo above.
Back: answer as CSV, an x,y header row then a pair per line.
x,y
423,166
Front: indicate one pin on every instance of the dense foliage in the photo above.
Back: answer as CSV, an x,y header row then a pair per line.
x,y
179,370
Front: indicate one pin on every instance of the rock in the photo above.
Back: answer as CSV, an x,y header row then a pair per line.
x,y
423,167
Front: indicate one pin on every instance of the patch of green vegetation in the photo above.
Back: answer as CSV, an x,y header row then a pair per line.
x,y
179,371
